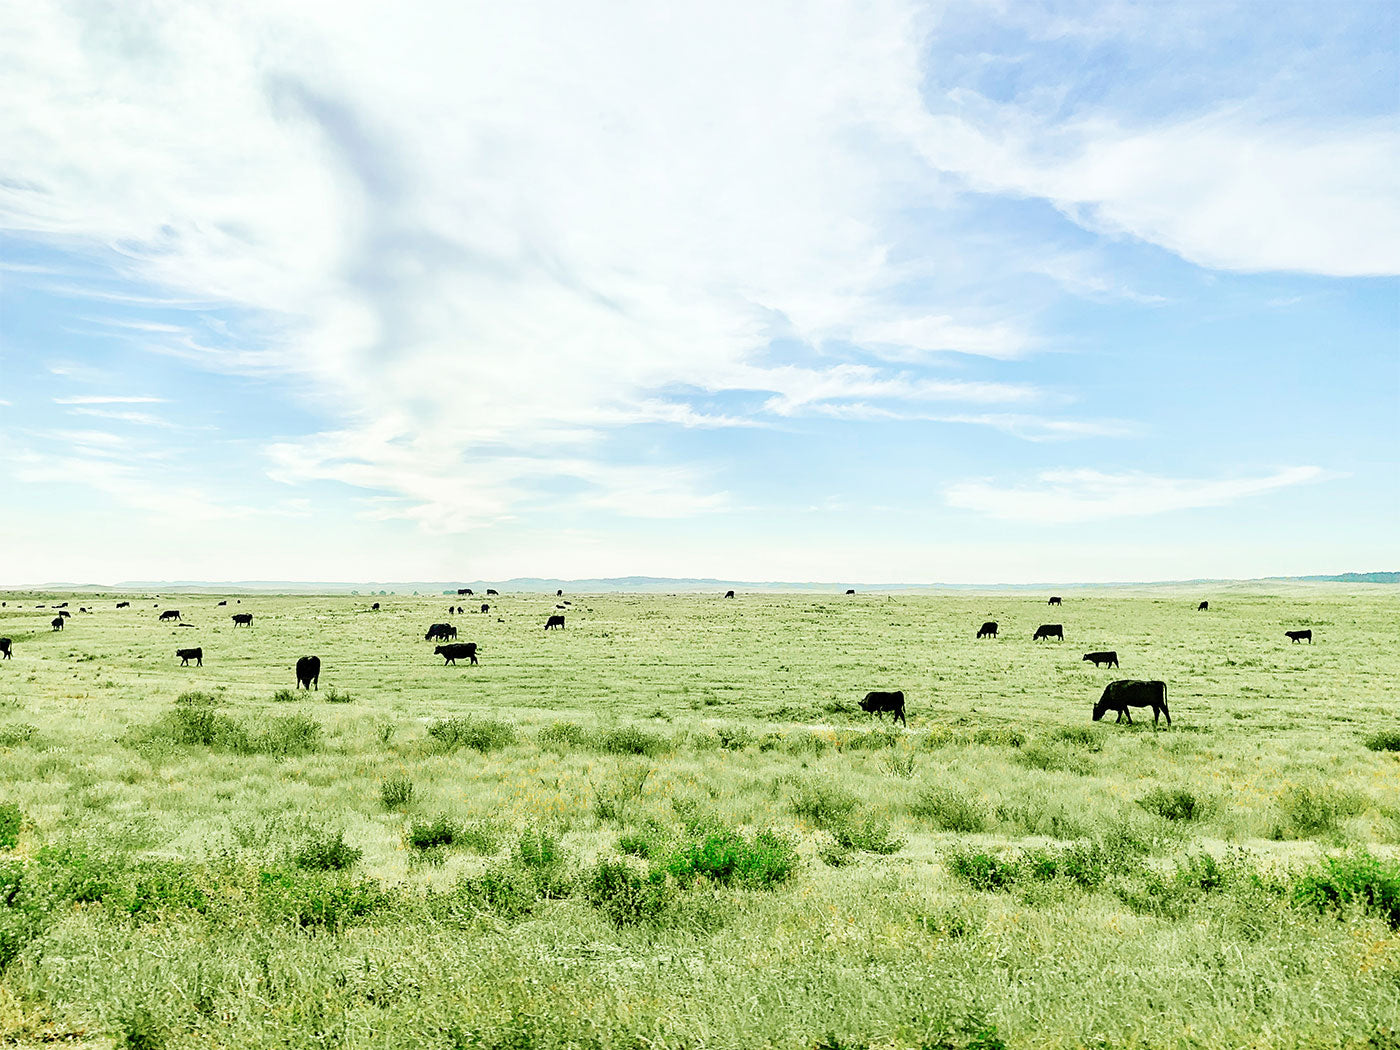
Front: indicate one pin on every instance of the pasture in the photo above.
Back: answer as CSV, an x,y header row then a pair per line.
x,y
670,825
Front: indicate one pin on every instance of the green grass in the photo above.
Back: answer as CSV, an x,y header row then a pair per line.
x,y
672,826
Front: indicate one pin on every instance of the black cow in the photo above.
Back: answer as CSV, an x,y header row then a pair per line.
x,y
559,593
440,632
1121,695
988,630
223,603
729,594
64,613
1049,630
554,621
485,607
243,619
1054,601
5,648
375,606
450,653
851,590
464,590
1203,607
1298,636
491,590
309,672
61,605
56,623
1110,658
170,614
877,703
123,605
186,655
81,609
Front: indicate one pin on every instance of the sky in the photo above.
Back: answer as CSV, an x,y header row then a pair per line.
x,y
864,291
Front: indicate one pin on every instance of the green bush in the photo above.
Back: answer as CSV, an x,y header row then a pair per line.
x,y
502,889
625,896
982,870
807,744
613,797
734,738
1079,736
1386,740
1354,880
999,737
332,695
320,899
647,841
726,856
1315,810
1172,804
823,802
563,736
288,736
324,852
286,696
17,733
9,825
1055,756
950,810
479,734
196,698
396,791
632,740
866,833
430,834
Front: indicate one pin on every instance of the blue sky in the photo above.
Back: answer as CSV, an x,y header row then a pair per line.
x,y
905,292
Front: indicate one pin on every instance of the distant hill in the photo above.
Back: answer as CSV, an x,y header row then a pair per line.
x,y
647,585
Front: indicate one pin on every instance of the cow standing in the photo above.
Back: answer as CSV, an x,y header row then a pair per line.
x,y
1299,636
186,655
729,594
123,605
987,630
440,632
451,653
554,621
243,619
170,614
1110,658
485,608
5,644
1203,607
56,623
877,703
309,672
1049,630
490,591
1055,600
1121,695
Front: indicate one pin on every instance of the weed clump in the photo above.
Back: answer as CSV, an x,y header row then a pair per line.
x,y
17,733
1386,740
322,852
822,802
479,734
950,810
1354,880
332,695
632,740
868,834
430,834
613,798
728,857
1308,811
624,895
396,791
1172,804
9,825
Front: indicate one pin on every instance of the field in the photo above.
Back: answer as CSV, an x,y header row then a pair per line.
x,y
669,825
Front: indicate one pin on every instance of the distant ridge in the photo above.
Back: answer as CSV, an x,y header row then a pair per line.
x,y
647,585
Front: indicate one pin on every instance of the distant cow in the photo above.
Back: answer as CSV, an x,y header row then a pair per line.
x,y
850,590
451,653
729,594
440,632
1055,600
223,603
170,614
375,606
123,605
5,648
1121,695
554,621
877,703
1049,630
988,630
64,613
1203,607
243,619
56,623
491,590
464,590
81,609
1110,658
61,605
309,672
186,655
559,593
1299,636
485,607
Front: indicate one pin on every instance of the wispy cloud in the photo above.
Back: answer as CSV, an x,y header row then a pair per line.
x,y
1067,496
108,399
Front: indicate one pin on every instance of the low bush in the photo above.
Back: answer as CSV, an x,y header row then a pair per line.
x,y
479,734
728,857
901,764
868,834
624,895
1005,737
734,738
1078,736
325,852
949,810
320,899
649,840
632,740
1310,810
563,736
196,723
806,744
286,696
195,698
9,825
503,890
430,834
981,869
332,695
614,796
396,791
287,737
823,802
1172,804
16,733
1386,740
1051,757
1355,880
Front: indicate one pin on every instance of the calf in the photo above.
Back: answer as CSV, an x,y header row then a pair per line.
x,y
877,703
450,653
1110,658
243,619
1121,695
554,621
170,614
309,672
1299,636
223,603
5,648
375,606
186,655
988,630
1049,630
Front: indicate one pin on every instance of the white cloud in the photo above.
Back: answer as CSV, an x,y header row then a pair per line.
x,y
108,399
1067,496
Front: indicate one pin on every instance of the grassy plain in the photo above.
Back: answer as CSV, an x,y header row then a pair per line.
x,y
669,825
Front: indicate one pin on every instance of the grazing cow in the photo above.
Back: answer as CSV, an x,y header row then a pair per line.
x,y
559,593
186,655
375,606
123,605
1054,601
1203,607
850,590
440,632
988,630
554,621
1049,630
61,605
1121,695
64,613
877,703
485,607
223,603
491,590
1298,636
56,623
243,619
1110,658
5,648
81,609
729,594
451,653
170,614
464,590
309,672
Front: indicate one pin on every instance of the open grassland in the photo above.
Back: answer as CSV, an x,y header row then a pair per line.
x,y
670,825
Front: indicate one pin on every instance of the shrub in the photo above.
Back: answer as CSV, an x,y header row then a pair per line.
x,y
429,834
396,791
734,738
1173,804
612,798
999,737
1079,736
822,802
646,841
286,696
502,889
16,734
1386,740
196,699
319,899
561,736
480,836
726,856
949,810
479,734
1309,811
867,834
632,740
624,895
982,870
1040,817
901,764
140,1029
1357,880
804,743
1051,756
9,825
332,695
537,851
323,852
288,736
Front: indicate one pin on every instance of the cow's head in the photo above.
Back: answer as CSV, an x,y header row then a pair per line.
x,y
867,705
1099,709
